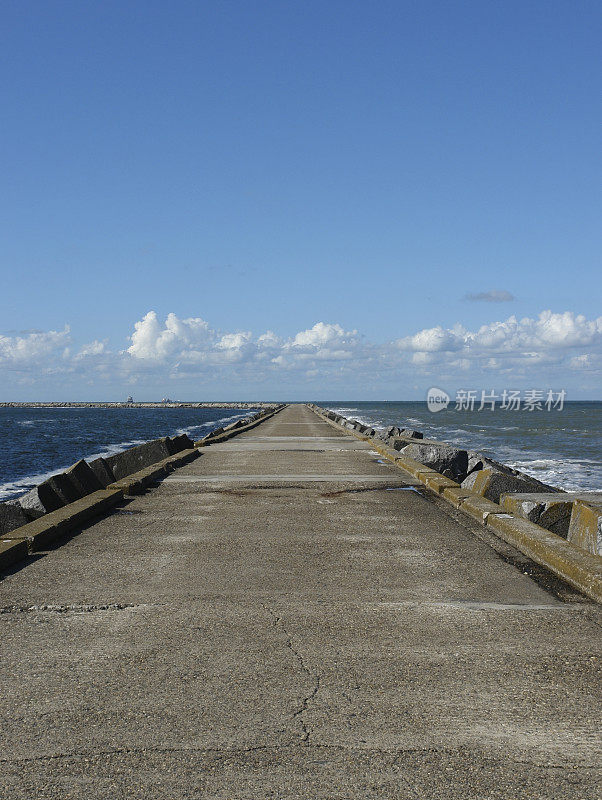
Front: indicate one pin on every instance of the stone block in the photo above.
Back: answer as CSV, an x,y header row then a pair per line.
x,y
83,478
11,516
443,458
391,432
585,529
213,434
477,461
552,510
491,484
408,433
137,458
181,442
44,530
238,424
103,471
53,493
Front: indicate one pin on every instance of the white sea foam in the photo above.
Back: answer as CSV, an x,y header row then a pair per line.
x,y
353,413
214,423
506,444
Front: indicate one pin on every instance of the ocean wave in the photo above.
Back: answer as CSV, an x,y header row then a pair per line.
x,y
509,444
206,426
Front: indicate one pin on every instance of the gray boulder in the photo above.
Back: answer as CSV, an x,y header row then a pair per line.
x,y
83,478
102,471
411,434
391,432
444,458
11,516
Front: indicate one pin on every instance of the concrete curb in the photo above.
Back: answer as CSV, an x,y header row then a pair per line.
x,y
223,437
577,567
44,530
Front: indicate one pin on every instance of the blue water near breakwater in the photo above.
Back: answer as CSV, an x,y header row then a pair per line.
x,y
38,442
560,447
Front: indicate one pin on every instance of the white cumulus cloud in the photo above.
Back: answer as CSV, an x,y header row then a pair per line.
x,y
33,348
152,340
177,348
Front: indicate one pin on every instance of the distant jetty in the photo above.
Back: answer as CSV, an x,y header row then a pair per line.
x,y
169,404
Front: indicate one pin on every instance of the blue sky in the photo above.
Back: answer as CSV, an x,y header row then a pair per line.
x,y
420,179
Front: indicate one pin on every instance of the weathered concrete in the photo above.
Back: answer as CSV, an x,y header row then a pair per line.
x,y
103,471
551,511
585,529
294,620
444,458
493,484
55,524
53,493
136,458
11,516
83,478
179,443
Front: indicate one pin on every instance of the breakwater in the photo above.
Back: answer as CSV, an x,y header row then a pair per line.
x,y
561,530
163,404
291,613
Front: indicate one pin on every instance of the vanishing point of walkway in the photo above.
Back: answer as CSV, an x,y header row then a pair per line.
x,y
286,617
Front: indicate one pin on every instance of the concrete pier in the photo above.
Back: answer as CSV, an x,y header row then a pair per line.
x,y
289,617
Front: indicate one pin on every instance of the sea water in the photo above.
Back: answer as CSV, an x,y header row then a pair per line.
x,y
38,442
561,447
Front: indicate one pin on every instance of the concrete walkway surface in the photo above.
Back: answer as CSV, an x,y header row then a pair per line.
x,y
289,617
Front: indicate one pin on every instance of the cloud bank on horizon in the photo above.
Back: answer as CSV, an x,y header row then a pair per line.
x,y
513,351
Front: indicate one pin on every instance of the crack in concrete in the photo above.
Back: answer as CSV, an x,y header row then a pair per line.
x,y
314,677
396,753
